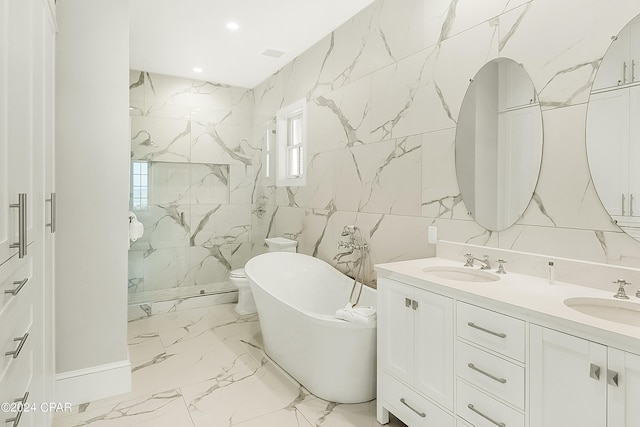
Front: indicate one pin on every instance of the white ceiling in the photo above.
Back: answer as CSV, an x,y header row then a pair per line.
x,y
174,36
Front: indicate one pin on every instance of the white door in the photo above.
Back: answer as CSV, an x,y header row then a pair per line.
x,y
433,342
567,380
395,329
26,37
623,385
607,146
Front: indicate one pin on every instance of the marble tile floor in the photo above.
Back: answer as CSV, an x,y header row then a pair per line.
x,y
206,367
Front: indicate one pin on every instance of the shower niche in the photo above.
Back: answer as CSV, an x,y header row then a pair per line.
x,y
193,235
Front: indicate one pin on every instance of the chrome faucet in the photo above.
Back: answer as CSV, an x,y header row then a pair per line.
x,y
353,244
486,263
621,294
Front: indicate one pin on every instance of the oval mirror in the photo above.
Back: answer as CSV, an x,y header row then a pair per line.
x,y
499,144
613,130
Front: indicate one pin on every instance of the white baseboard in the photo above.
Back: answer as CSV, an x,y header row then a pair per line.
x,y
87,385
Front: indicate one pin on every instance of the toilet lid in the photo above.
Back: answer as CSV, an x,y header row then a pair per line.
x,y
239,273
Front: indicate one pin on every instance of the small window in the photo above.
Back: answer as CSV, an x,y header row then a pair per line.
x,y
139,185
291,136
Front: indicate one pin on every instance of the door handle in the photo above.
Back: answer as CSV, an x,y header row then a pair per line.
x,y
21,245
53,207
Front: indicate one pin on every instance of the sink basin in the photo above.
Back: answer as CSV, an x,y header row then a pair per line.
x,y
461,274
619,311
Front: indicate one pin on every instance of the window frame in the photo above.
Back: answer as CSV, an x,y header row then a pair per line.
x,y
291,144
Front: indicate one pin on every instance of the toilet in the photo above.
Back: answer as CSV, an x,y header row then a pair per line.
x,y
246,304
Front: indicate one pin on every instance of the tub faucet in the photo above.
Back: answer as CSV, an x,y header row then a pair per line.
x,y
486,263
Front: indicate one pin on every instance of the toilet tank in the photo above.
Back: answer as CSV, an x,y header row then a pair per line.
x,y
280,244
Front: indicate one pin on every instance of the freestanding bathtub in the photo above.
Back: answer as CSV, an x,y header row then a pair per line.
x,y
297,296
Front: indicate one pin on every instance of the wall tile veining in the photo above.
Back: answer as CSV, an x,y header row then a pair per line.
x,y
384,91
195,137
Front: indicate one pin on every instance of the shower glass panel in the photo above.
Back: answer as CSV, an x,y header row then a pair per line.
x,y
191,230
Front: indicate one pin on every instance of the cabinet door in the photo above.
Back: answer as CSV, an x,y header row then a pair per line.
x,y
634,50
395,328
567,380
19,159
614,69
623,380
608,143
634,148
433,343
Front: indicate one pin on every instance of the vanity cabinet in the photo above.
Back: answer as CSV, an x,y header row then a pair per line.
x,y
455,353
415,354
575,381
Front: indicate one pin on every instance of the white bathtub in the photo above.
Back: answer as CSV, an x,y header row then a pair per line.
x,y
297,296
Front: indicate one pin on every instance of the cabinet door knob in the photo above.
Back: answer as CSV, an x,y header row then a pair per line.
x,y
612,378
414,304
594,372
407,302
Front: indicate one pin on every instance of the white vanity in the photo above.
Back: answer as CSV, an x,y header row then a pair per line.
x,y
459,346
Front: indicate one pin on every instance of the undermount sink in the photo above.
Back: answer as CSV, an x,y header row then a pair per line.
x,y
461,274
619,311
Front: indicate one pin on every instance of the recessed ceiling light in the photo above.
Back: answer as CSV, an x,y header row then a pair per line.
x,y
197,69
233,25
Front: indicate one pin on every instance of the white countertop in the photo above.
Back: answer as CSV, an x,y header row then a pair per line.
x,y
525,297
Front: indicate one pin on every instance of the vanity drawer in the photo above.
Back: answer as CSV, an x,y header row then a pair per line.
x,y
495,331
481,410
491,373
15,384
15,336
16,285
412,408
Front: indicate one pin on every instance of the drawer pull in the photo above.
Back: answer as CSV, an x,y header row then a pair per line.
x,y
480,328
20,284
470,406
16,420
404,402
17,351
487,374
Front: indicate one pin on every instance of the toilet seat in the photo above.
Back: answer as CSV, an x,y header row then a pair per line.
x,y
238,274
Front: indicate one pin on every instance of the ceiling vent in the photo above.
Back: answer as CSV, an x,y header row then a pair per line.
x,y
273,53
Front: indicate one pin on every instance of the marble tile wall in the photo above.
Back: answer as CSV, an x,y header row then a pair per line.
x,y
384,91
196,138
